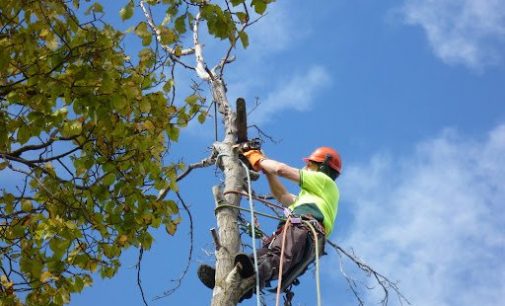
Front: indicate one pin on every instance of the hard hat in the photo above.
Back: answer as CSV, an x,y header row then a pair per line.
x,y
322,154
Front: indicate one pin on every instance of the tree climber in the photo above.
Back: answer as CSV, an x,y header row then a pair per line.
x,y
317,203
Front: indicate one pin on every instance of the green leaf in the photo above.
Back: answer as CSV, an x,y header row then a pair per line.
x,y
260,6
45,276
107,272
78,284
118,102
24,134
172,207
109,179
202,117
145,106
244,39
148,125
127,11
146,240
142,31
96,8
168,85
147,58
171,228
192,99
72,128
173,133
167,36
243,17
58,246
236,2
180,24
26,205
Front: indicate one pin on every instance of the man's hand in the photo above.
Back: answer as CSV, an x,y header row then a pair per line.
x,y
254,157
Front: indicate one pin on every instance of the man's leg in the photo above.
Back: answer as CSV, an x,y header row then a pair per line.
x,y
295,243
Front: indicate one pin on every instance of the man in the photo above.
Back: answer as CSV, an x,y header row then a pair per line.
x,y
316,203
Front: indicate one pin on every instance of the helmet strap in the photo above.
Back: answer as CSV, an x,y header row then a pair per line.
x,y
325,168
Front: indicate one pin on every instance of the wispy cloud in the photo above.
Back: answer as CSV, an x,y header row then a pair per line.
x,y
273,32
467,32
434,220
250,76
297,93
272,40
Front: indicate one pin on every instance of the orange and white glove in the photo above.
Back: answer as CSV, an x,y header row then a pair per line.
x,y
254,157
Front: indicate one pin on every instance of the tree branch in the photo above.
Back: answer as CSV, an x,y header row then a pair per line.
x,y
383,281
200,63
157,33
206,162
139,282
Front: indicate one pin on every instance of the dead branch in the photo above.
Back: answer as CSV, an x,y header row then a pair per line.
x,y
382,280
190,256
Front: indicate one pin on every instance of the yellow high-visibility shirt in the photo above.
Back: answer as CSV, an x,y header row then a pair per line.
x,y
320,190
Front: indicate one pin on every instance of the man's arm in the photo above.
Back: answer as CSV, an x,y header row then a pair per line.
x,y
272,169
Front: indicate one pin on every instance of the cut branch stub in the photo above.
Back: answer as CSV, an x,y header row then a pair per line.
x,y
241,121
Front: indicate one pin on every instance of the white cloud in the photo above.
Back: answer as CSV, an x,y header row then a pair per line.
x,y
272,41
273,32
297,93
468,32
434,220
279,30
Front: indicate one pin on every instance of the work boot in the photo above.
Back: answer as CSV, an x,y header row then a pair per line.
x,y
245,265
207,276
245,269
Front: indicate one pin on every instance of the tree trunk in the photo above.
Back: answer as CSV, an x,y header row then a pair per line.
x,y
227,290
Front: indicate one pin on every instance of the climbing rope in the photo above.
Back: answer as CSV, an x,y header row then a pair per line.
x,y
316,242
283,244
248,210
255,256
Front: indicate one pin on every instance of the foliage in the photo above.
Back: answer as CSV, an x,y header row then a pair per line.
x,y
85,126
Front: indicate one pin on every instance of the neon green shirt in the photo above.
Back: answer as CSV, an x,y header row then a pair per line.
x,y
319,189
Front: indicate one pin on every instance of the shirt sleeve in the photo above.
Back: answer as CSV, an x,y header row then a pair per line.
x,y
312,181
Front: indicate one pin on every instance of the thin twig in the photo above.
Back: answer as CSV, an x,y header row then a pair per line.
x,y
190,256
139,282
263,134
383,281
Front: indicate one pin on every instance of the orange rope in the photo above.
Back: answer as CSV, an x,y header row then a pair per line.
x,y
279,283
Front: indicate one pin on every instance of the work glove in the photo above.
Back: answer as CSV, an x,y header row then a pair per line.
x,y
254,157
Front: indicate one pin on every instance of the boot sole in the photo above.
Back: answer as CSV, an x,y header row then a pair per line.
x,y
207,276
245,265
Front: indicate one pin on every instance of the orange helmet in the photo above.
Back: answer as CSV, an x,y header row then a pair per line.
x,y
328,155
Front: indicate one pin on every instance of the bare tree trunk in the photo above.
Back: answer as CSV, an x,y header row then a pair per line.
x,y
227,290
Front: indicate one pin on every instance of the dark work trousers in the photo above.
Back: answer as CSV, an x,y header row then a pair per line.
x,y
298,240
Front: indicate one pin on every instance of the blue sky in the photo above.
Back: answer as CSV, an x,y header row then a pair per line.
x,y
411,93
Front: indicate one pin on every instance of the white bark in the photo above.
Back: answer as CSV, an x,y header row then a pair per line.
x,y
157,32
